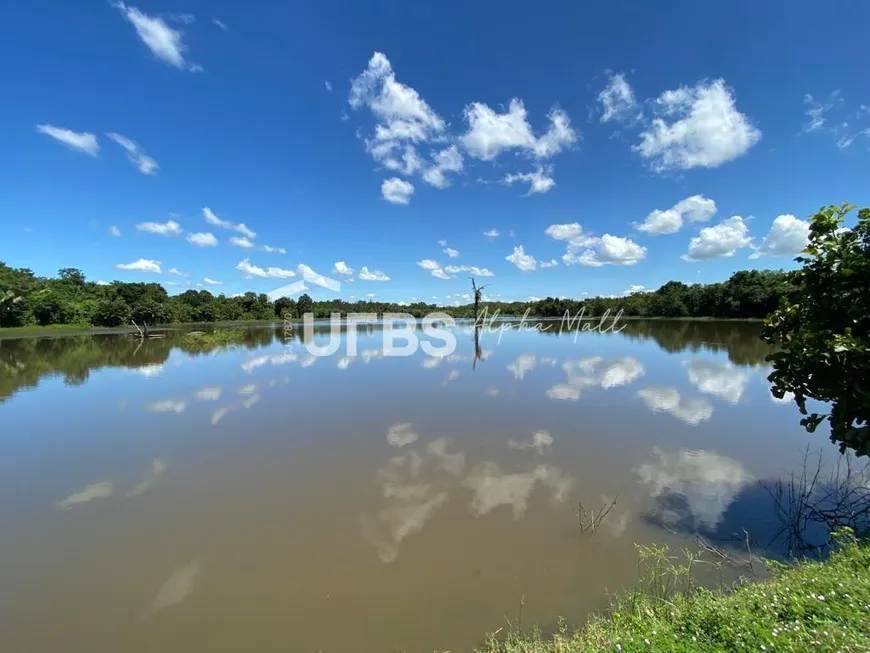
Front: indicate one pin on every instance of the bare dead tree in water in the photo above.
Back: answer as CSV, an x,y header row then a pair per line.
x,y
590,520
478,295
809,499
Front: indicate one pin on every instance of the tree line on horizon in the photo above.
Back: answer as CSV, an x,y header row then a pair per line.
x,y
69,298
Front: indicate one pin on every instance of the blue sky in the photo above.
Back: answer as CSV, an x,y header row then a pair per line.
x,y
610,145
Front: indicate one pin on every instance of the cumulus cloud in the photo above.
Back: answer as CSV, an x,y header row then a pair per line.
x,y
696,127
341,267
397,191
164,42
372,275
280,250
447,160
523,261
787,236
452,253
616,100
492,233
595,372
717,378
608,250
141,265
696,208
540,180
490,133
703,482
691,410
548,264
202,239
80,141
211,218
241,241
439,272
403,121
720,241
144,163
246,267
169,228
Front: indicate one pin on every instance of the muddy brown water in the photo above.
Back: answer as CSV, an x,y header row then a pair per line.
x,y
171,498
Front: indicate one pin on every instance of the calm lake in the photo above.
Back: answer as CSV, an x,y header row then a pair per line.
x,y
257,498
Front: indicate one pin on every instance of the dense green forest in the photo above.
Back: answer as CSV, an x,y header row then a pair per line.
x,y
26,299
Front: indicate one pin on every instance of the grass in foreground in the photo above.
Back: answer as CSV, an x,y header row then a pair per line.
x,y
810,606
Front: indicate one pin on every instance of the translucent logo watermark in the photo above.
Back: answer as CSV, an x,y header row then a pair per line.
x,y
402,333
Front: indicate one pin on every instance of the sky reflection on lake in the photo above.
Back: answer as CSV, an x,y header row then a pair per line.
x,y
164,498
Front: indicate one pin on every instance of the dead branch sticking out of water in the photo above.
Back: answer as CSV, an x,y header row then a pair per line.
x,y
478,295
732,559
590,520
808,500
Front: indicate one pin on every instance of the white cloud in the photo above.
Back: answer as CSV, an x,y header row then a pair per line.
x,y
403,119
340,267
209,393
163,41
697,126
523,261
372,275
691,410
317,279
447,160
720,241
607,250
548,264
169,228
492,233
434,268
540,180
248,268
617,100
328,85
491,133
716,378
211,218
202,240
81,141
212,282
370,295
241,241
633,289
696,208
177,271
101,490
816,111
473,269
141,265
704,482
787,236
144,163
219,23
103,283
452,253
523,364
280,250
114,230
595,372
397,191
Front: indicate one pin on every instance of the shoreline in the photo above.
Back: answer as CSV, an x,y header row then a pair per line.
x,y
60,330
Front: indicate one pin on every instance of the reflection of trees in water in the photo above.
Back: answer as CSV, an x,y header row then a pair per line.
x,y
740,340
24,361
